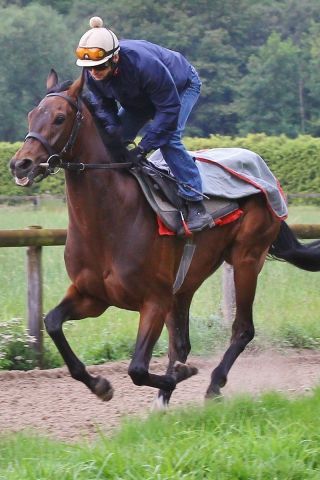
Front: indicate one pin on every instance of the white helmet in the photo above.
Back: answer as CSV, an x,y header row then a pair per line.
x,y
97,45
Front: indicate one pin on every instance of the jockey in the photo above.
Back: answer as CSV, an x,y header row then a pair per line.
x,y
154,86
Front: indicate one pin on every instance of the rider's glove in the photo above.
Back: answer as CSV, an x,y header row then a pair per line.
x,y
114,131
138,153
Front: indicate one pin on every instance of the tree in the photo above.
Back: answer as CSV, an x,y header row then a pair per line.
x,y
269,99
33,40
311,43
258,60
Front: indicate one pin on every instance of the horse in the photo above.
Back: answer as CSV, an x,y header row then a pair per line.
x,y
114,255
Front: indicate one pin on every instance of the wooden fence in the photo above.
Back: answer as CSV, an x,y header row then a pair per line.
x,y
35,237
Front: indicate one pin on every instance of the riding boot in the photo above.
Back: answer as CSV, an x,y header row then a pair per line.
x,y
197,217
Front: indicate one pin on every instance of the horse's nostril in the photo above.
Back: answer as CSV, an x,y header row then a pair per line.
x,y
23,164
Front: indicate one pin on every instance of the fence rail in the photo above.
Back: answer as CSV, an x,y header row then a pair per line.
x,y
33,236
36,237
41,237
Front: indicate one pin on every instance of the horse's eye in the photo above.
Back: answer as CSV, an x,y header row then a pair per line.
x,y
59,119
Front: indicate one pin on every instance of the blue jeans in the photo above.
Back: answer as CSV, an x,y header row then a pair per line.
x,y
176,156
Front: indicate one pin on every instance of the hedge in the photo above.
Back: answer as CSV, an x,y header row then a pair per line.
x,y
295,162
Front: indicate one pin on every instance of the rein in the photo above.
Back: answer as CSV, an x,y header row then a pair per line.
x,y
80,167
55,159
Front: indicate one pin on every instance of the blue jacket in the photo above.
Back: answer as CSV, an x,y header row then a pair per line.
x,y
149,78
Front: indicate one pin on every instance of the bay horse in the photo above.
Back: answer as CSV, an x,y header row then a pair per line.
x,y
115,256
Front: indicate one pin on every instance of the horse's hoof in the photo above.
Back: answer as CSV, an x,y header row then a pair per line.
x,y
214,394
103,389
183,371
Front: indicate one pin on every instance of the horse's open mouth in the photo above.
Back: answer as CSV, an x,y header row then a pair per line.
x,y
34,176
22,182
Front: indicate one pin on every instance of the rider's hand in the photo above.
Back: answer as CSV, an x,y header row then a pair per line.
x,y
138,153
114,131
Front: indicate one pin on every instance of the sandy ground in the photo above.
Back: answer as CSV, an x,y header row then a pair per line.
x,y
50,402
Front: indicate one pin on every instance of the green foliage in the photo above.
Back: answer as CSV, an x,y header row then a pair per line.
x,y
7,185
270,437
61,6
16,348
297,337
258,61
32,35
295,162
16,351
265,109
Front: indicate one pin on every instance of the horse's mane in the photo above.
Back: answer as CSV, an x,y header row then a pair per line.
x,y
114,145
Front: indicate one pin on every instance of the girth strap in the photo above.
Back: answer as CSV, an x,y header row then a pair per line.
x,y
186,259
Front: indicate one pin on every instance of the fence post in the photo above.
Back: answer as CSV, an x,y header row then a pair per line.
x,y
228,294
35,310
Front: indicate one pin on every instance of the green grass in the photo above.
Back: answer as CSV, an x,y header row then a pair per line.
x,y
285,311
271,437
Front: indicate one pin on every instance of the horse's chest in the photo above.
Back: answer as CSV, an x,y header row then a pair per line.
x,y
123,276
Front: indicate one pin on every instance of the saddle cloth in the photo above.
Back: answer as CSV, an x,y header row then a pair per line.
x,y
227,174
235,173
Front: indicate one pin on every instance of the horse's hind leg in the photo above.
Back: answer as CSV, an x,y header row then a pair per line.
x,y
74,307
177,323
247,255
247,263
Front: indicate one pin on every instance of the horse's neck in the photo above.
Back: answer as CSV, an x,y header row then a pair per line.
x,y
96,191
91,148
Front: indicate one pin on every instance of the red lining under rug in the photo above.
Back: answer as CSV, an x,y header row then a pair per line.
x,y
230,217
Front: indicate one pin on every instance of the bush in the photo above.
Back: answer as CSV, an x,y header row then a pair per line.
x,y
16,352
295,162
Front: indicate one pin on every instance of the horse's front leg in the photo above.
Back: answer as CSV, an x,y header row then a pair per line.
x,y
75,306
152,317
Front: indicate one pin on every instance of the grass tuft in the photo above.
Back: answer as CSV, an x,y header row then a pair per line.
x,y
239,439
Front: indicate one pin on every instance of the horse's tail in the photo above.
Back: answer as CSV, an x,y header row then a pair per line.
x,y
288,248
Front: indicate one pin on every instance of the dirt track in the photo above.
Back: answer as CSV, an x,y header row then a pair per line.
x,y
51,402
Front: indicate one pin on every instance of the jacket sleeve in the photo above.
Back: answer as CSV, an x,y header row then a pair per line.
x,y
104,108
158,84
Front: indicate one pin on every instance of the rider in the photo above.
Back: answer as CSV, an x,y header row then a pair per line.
x,y
149,82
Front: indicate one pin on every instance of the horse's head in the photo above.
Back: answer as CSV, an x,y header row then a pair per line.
x,y
53,128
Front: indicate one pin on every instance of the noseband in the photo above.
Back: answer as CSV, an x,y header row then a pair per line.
x,y
55,159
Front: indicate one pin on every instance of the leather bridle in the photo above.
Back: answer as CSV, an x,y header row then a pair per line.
x,y
55,159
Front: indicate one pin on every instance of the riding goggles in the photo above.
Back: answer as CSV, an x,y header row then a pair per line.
x,y
95,54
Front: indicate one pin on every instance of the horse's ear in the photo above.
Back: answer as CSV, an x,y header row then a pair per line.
x,y
77,86
52,79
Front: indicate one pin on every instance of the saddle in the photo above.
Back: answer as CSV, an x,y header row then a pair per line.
x,y
161,192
